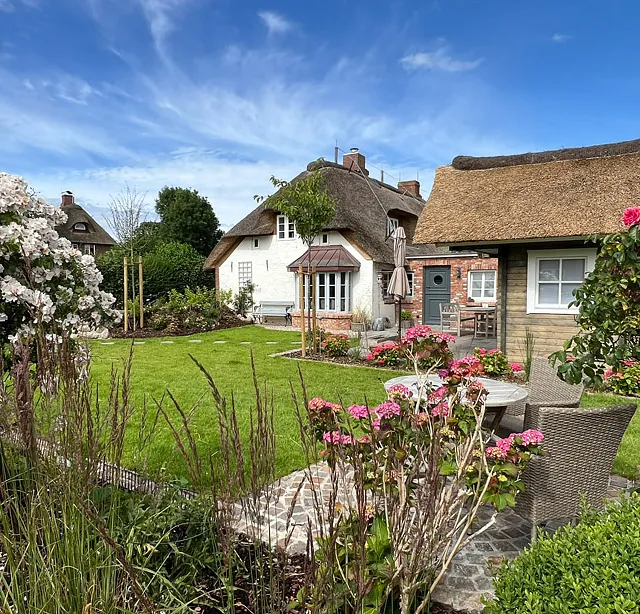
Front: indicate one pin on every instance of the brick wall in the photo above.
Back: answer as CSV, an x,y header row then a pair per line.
x,y
459,285
326,320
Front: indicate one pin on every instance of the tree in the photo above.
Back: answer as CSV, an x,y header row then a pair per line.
x,y
126,214
308,205
47,287
188,218
609,303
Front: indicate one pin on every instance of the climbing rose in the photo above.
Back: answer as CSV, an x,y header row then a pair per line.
x,y
631,216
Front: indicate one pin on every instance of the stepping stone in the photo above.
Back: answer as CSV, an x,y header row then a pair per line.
x,y
246,342
219,341
195,340
272,342
138,343
107,343
165,342
296,343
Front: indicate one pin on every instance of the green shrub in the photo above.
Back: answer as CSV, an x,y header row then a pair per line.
x,y
335,345
625,379
494,362
170,266
588,569
192,310
243,300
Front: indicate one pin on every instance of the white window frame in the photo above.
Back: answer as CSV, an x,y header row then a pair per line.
x,y
483,296
341,279
89,249
245,273
324,239
255,243
285,229
386,277
533,260
392,224
83,229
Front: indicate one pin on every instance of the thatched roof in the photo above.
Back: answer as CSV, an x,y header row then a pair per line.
x,y
563,194
361,214
94,234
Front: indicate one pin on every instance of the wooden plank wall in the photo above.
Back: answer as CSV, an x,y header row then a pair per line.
x,y
550,330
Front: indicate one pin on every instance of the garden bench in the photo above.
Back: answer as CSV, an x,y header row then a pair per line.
x,y
280,309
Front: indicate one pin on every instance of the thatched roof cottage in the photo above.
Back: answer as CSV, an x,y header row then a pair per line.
x,y
82,230
535,212
353,255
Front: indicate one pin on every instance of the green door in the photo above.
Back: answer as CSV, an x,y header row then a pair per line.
x,y
437,290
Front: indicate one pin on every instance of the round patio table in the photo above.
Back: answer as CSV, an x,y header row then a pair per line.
x,y
501,394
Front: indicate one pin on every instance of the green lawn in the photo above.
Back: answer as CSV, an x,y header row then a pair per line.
x,y
159,367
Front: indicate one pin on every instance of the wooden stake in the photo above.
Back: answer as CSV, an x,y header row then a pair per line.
x,y
302,322
140,290
314,324
126,296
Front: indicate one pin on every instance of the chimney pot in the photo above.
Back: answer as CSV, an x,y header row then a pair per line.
x,y
410,187
67,199
355,161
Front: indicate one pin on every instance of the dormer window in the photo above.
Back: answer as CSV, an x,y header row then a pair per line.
x,y
286,228
81,226
392,224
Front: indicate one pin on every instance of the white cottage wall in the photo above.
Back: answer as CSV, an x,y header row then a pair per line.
x,y
269,274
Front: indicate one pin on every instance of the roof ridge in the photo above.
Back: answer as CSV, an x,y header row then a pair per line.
x,y
320,164
473,163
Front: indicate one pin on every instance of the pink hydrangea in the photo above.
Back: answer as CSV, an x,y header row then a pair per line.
x,y
388,409
400,391
337,438
496,453
467,366
436,395
516,367
359,411
631,216
531,437
607,374
441,410
316,404
417,332
365,440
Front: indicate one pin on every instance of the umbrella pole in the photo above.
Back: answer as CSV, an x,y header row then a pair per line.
x,y
399,318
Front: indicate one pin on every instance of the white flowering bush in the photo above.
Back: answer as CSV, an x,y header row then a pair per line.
x,y
45,284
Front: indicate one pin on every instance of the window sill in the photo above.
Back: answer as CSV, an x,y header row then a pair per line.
x,y
561,311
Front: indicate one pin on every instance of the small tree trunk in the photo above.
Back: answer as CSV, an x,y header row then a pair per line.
x,y
126,296
302,323
314,320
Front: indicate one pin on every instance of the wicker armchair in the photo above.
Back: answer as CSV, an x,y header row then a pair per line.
x,y
548,389
581,444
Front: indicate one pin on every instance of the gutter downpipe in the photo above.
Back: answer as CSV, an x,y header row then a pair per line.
x,y
503,253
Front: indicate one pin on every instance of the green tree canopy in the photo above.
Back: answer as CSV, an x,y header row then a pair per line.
x,y
187,217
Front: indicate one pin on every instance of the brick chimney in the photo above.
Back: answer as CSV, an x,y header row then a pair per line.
x,y
67,199
410,187
355,161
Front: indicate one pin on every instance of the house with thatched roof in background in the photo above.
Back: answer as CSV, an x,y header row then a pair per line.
x,y
82,230
535,213
353,256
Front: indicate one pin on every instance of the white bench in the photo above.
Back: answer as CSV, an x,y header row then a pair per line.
x,y
273,308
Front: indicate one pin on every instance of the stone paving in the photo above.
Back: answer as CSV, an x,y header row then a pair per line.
x,y
286,513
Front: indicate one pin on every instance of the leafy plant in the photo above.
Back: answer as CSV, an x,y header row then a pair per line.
x,y
494,362
592,567
243,300
625,380
406,314
609,303
335,345
198,309
527,346
387,354
361,315
394,545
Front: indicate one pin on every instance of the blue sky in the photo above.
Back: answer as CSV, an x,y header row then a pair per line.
x,y
219,94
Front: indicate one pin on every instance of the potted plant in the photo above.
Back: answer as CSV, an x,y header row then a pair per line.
x,y
407,319
360,319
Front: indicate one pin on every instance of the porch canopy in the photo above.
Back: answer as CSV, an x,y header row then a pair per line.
x,y
326,258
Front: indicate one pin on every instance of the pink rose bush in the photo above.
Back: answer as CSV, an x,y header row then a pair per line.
x,y
624,379
422,343
631,216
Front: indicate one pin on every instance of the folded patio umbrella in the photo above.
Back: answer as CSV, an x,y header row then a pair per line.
x,y
399,282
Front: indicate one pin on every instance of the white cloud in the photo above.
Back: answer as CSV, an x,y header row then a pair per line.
x,y
68,88
560,38
275,23
9,5
440,59
6,5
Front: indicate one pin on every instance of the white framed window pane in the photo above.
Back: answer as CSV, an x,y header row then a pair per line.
x,y
244,273
410,278
573,269
292,230
343,291
490,289
281,227
566,294
549,270
322,300
548,294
